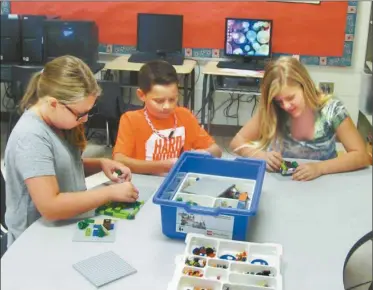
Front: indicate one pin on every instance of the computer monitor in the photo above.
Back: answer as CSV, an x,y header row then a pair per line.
x,y
10,52
159,33
76,38
248,38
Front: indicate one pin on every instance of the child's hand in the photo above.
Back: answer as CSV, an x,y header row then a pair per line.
x,y
202,151
110,166
273,160
123,192
168,164
307,171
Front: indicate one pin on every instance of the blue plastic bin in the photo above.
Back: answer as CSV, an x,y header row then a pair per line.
x,y
191,162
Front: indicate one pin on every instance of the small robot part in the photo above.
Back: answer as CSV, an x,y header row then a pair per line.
x,y
221,266
194,273
242,200
202,251
288,168
263,273
241,257
195,262
259,262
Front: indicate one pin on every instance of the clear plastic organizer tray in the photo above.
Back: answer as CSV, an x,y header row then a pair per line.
x,y
212,191
220,264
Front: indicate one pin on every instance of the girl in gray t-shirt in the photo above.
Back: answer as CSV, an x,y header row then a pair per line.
x,y
45,172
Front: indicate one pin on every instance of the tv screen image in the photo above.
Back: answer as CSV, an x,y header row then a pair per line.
x,y
247,37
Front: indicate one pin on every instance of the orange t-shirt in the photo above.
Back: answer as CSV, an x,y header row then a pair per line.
x,y
136,139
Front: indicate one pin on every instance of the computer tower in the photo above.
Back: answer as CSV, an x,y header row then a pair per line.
x,y
10,52
76,38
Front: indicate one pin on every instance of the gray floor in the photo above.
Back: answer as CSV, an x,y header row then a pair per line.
x,y
359,269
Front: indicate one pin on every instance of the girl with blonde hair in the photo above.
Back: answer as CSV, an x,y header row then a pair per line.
x,y
45,171
296,120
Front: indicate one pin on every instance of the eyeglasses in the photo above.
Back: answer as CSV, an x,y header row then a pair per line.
x,y
90,113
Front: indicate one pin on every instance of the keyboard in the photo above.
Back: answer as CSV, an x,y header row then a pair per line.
x,y
241,65
142,57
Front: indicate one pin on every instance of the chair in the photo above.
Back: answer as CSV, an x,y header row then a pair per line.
x,y
111,106
20,76
3,235
368,237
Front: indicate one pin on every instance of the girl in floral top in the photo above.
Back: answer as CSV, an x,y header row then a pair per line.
x,y
296,120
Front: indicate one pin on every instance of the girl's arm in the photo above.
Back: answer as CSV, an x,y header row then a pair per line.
x,y
249,132
53,205
356,156
91,166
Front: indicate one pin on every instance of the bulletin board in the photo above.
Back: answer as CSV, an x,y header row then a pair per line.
x,y
308,30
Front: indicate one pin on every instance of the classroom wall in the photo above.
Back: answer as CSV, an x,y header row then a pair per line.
x,y
347,80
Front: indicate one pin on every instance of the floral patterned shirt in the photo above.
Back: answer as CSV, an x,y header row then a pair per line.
x,y
323,146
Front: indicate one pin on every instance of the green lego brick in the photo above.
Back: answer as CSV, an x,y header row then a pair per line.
x,y
88,232
121,215
120,209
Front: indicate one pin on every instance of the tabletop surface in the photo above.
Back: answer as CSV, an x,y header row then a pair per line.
x,y
316,222
122,63
211,69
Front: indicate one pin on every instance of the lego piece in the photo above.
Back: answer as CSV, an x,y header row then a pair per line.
x,y
190,202
96,232
288,168
82,225
104,268
242,200
195,262
105,230
260,262
120,209
107,224
88,232
228,257
194,273
100,232
241,257
263,284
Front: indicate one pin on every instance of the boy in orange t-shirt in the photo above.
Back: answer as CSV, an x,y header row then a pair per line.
x,y
151,139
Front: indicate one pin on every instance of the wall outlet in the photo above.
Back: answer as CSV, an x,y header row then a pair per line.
x,y
326,87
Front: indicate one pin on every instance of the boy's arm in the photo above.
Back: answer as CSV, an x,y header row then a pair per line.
x,y
144,166
214,150
202,140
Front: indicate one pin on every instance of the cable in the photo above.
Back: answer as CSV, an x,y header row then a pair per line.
x,y
356,286
199,69
8,98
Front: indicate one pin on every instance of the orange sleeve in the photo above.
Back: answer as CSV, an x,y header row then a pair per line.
x,y
199,137
125,143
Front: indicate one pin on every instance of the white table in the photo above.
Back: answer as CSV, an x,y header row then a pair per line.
x,y
316,222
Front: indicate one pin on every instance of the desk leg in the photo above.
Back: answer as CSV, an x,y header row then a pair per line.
x,y
193,89
204,99
209,101
186,90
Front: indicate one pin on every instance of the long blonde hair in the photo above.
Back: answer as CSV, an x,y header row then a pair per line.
x,y
69,80
278,74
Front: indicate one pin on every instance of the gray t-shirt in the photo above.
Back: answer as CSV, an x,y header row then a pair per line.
x,y
34,149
